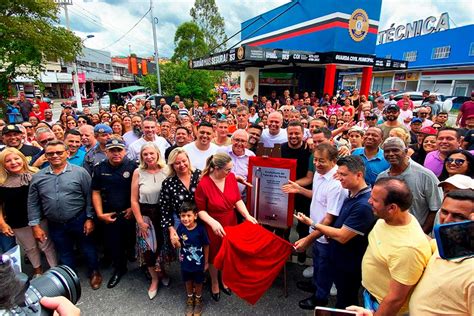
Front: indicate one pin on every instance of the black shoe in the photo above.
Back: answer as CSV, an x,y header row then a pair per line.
x,y
301,258
306,286
227,291
115,279
216,296
311,302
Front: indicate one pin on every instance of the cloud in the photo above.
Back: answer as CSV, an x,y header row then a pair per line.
x,y
108,20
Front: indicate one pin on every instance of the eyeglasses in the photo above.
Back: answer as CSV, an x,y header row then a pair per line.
x,y
45,141
227,170
54,153
30,126
242,141
423,113
458,162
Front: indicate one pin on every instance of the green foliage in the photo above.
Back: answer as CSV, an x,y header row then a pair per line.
x,y
189,42
205,13
29,36
177,78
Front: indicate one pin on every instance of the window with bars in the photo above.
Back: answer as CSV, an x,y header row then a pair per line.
x,y
410,56
441,52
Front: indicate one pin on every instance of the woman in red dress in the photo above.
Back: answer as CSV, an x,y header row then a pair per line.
x,y
217,196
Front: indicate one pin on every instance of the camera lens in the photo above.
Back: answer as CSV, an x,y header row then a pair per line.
x,y
57,281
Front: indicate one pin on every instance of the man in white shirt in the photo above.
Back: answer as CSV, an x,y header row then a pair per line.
x,y
199,150
240,156
327,198
149,135
274,134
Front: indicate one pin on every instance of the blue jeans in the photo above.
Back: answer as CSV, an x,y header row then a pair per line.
x,y
322,276
6,243
65,235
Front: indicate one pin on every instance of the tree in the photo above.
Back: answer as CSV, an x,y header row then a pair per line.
x,y
29,37
177,78
189,42
205,13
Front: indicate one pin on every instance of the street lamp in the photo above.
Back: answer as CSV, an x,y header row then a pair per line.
x,y
75,78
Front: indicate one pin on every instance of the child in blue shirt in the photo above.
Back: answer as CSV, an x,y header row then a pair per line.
x,y
193,256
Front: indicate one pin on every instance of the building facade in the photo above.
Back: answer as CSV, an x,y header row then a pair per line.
x,y
441,62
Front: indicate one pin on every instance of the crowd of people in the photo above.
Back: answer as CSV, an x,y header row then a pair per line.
x,y
139,181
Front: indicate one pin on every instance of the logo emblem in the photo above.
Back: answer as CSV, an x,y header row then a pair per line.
x,y
358,25
250,84
126,174
240,53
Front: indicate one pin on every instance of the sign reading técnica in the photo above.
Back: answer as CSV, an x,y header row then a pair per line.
x,y
415,28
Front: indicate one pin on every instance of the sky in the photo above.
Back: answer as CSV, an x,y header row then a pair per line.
x,y
110,20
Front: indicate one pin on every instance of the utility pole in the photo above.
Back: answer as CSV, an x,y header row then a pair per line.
x,y
75,77
153,23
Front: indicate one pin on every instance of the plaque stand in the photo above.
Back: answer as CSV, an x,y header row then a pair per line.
x,y
280,229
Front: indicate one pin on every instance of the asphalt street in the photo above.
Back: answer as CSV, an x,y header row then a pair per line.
x,y
130,297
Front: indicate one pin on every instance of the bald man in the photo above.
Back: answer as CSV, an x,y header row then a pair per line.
x,y
240,156
274,134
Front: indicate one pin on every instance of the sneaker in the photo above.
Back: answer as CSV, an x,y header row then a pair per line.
x,y
308,272
190,306
333,290
198,306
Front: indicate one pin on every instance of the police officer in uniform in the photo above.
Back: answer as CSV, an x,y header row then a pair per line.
x,y
111,191
102,133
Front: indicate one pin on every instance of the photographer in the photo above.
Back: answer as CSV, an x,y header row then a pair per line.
x,y
11,295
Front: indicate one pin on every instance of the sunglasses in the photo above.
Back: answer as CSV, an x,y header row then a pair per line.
x,y
54,153
46,141
458,162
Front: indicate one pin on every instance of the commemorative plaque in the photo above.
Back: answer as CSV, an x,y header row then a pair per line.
x,y
266,201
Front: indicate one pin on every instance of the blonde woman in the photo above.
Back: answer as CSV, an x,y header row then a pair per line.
x,y
15,178
217,197
153,242
179,186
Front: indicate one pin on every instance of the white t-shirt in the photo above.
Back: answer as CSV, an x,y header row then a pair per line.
x,y
136,146
404,115
328,197
270,140
198,157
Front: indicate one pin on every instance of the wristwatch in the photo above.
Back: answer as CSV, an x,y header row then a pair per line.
x,y
313,226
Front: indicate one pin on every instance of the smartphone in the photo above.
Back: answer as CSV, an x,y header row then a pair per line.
x,y
455,240
328,311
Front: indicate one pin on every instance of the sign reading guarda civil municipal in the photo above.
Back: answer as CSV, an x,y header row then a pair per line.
x,y
415,28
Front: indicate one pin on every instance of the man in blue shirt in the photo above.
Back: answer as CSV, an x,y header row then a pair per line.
x,y
348,234
61,193
72,139
372,155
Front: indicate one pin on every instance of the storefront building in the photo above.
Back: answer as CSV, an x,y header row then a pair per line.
x,y
440,59
303,46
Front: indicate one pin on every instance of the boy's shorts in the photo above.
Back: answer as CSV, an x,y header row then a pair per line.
x,y
195,276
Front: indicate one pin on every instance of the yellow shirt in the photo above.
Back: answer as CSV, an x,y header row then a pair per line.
x,y
400,253
446,288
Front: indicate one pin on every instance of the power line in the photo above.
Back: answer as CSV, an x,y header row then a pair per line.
x,y
265,24
121,37
93,19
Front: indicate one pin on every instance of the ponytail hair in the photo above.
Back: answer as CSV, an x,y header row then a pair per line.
x,y
218,161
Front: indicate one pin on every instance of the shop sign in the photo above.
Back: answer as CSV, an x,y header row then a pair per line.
x,y
415,28
212,60
354,59
408,76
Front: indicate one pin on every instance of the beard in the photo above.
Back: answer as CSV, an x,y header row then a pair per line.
x,y
137,131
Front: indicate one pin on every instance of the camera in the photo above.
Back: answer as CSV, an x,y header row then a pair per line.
x,y
25,297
